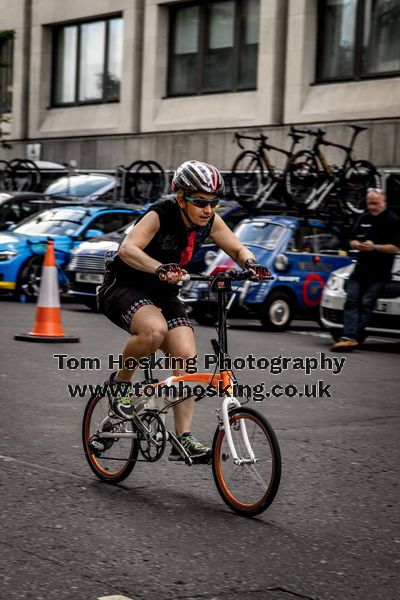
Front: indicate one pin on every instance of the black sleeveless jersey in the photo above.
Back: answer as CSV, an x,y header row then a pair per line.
x,y
173,243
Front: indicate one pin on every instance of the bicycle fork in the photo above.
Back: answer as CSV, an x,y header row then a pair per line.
x,y
227,403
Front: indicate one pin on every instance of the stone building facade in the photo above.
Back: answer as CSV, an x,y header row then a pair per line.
x,y
105,82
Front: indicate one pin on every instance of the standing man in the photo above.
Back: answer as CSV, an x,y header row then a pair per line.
x,y
376,236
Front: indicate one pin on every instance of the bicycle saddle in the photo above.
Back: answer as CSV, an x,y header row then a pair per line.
x,y
358,128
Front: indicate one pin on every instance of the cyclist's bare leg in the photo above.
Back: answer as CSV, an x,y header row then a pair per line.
x,y
180,343
148,328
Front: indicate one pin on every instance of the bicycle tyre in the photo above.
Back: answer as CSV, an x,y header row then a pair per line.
x,y
127,458
266,437
25,175
149,182
247,178
302,177
6,183
358,177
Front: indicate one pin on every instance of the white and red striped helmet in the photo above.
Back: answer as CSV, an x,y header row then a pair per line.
x,y
195,176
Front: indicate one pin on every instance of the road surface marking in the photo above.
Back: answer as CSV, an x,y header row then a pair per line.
x,y
36,466
114,598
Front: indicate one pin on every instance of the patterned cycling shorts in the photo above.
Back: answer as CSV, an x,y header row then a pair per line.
x,y
120,304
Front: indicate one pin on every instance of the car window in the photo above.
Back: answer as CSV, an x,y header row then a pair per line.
x,y
53,222
260,233
81,185
110,222
314,240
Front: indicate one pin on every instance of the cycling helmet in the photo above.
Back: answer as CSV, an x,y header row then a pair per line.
x,y
195,176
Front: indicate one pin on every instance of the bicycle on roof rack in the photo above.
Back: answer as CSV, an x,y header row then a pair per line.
x,y
19,175
310,179
254,178
246,460
142,181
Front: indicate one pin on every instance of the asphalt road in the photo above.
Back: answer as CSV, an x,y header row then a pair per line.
x,y
332,531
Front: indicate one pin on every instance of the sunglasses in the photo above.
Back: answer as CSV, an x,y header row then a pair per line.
x,y
202,202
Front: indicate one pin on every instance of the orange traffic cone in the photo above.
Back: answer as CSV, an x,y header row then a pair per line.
x,y
47,326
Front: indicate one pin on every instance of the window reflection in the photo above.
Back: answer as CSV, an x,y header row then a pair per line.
x,y
382,36
66,64
338,37
92,61
81,48
214,46
358,38
219,58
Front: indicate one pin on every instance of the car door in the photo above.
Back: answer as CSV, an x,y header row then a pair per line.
x,y
315,252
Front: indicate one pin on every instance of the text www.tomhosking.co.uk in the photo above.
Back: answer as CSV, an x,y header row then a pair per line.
x,y
275,365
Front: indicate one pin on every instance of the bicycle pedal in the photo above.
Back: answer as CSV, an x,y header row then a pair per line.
x,y
201,460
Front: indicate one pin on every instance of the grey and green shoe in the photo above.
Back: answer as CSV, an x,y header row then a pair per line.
x,y
120,397
195,449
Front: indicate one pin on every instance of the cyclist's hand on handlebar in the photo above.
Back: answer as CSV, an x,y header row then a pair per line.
x,y
259,271
170,273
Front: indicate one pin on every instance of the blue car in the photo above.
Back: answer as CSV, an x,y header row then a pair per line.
x,y
22,249
300,254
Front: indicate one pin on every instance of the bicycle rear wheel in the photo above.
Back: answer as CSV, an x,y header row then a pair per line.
x,y
302,178
250,488
111,460
247,178
360,176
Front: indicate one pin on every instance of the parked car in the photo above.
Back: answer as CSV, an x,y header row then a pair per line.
x,y
386,314
300,254
22,249
98,186
17,206
86,268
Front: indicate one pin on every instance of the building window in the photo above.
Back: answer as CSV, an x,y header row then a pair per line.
x,y
358,39
213,47
88,62
6,70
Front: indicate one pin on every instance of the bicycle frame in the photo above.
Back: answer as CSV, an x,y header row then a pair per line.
x,y
332,179
275,173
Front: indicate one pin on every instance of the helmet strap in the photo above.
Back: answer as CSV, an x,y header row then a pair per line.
x,y
191,223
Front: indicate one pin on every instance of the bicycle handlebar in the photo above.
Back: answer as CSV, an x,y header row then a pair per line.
x,y
259,138
226,276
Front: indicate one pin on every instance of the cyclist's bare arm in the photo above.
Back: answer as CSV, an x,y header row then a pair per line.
x,y
228,242
131,249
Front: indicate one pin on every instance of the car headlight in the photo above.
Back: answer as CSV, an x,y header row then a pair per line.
x,y
334,283
7,255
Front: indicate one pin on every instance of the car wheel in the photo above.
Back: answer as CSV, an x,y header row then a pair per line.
x,y
204,314
91,303
276,312
29,278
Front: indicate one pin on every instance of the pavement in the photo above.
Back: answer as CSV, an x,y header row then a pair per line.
x,y
332,532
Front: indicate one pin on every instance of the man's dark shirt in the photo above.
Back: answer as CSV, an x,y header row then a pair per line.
x,y
383,229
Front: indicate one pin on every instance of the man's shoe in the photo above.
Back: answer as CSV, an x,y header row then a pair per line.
x,y
195,449
345,345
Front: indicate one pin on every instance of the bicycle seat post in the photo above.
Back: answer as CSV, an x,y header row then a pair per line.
x,y
148,375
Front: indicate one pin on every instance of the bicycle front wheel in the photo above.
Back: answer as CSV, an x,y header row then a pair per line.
x,y
110,458
249,486
247,177
302,178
